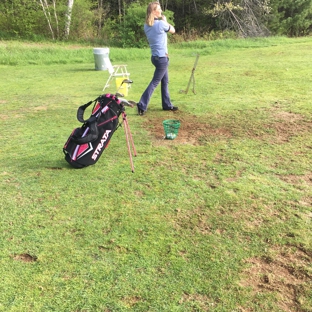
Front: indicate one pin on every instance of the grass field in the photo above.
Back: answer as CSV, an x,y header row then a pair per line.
x,y
218,219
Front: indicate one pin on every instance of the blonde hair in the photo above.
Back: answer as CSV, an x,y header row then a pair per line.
x,y
149,20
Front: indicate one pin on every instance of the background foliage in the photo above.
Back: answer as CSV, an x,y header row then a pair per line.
x,y
120,22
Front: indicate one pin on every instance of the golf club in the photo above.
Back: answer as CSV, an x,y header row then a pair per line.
x,y
124,81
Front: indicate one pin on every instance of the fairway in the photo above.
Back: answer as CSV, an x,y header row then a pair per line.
x,y
218,219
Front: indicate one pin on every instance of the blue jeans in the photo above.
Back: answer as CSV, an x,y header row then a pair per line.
x,y
160,76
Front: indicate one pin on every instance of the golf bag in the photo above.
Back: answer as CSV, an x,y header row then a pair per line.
x,y
86,144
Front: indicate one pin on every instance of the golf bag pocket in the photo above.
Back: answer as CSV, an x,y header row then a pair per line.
x,y
86,144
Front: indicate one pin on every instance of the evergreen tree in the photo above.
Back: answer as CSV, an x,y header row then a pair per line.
x,y
291,17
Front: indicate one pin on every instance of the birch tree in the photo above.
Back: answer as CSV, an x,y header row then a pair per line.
x,y
56,18
68,16
46,12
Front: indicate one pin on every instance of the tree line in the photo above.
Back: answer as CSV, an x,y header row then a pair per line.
x,y
119,22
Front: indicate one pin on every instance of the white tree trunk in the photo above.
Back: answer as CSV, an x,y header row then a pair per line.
x,y
56,19
47,15
68,18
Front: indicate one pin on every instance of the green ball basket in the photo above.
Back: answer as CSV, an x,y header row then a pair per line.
x,y
171,127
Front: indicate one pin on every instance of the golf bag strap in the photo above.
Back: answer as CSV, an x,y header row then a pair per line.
x,y
81,110
93,132
92,135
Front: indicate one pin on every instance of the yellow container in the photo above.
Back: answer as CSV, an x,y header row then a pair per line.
x,y
122,88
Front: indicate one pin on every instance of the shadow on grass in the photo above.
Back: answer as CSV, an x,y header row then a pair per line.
x,y
85,70
39,163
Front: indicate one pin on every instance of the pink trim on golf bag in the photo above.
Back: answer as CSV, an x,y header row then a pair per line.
x,y
86,144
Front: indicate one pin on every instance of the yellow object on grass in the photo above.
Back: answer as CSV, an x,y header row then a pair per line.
x,y
122,88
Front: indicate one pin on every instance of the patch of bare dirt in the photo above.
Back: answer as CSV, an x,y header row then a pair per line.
x,y
25,258
4,117
284,274
288,124
41,108
204,302
302,182
280,128
191,131
297,180
131,301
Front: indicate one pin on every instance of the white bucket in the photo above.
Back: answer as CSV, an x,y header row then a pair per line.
x,y
100,54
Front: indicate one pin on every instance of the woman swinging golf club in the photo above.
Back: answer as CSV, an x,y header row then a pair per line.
x,y
156,28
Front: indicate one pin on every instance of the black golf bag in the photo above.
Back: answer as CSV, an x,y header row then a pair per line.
x,y
86,144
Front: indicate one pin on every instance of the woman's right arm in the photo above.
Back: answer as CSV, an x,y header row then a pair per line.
x,y
171,28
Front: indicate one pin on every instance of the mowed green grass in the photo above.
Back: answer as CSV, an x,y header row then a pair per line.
x,y
218,219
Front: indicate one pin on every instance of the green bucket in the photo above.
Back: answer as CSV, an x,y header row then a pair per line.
x,y
171,127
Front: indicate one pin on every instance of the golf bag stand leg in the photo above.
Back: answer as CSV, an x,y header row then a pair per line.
x,y
129,138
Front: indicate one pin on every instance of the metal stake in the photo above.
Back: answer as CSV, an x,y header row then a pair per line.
x,y
192,78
